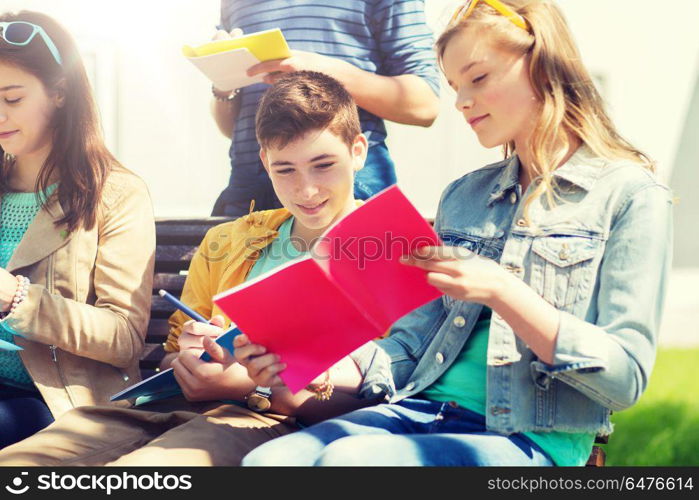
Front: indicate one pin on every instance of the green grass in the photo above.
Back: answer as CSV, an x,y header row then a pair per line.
x,y
663,427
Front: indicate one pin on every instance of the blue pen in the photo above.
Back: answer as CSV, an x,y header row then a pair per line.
x,y
179,305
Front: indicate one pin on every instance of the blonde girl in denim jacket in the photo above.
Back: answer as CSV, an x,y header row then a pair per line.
x,y
554,271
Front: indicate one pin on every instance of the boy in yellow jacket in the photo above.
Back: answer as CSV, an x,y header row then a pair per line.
x,y
312,145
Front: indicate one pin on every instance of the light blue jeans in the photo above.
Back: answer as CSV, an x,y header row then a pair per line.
x,y
413,432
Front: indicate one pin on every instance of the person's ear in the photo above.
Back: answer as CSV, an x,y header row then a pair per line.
x,y
263,159
360,148
59,94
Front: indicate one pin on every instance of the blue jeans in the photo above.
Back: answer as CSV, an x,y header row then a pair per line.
x,y
378,173
413,432
22,413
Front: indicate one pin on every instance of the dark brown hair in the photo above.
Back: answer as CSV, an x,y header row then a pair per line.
x,y
78,153
304,101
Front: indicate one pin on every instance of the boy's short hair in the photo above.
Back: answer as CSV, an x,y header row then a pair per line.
x,y
303,101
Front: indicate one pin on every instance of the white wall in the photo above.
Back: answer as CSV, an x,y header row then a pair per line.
x,y
155,106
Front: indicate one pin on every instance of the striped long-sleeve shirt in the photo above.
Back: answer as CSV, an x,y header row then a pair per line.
x,y
386,37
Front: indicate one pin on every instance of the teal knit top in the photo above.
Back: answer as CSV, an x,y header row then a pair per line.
x,y
18,212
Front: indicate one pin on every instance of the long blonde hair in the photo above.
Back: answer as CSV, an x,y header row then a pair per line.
x,y
571,107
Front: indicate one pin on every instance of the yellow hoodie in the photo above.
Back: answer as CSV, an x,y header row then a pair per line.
x,y
222,261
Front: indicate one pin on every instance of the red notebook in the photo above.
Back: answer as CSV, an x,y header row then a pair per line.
x,y
348,291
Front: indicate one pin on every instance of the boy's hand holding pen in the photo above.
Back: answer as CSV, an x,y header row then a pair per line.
x,y
194,332
203,379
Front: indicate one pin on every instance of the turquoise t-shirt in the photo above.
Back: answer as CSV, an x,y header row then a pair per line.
x,y
465,382
277,253
18,212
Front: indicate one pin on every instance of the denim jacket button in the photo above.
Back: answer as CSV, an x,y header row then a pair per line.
x,y
459,322
513,197
522,223
513,269
439,357
498,410
563,254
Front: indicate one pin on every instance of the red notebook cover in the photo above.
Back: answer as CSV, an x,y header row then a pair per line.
x,y
350,290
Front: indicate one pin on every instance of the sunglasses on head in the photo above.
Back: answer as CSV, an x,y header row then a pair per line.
x,y
467,9
21,33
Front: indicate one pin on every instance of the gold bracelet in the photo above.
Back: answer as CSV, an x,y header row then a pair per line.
x,y
324,390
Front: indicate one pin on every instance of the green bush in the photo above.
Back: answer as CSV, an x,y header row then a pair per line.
x,y
663,427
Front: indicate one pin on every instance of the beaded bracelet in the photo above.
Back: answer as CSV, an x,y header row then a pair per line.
x,y
21,292
324,390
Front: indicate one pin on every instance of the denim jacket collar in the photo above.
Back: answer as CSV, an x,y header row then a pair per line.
x,y
508,179
581,169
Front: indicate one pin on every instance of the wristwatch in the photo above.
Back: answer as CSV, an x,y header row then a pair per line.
x,y
224,96
258,400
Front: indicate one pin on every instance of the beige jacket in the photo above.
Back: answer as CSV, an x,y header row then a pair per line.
x,y
87,311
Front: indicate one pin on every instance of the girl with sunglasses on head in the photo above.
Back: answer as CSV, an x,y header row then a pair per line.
x,y
554,271
77,237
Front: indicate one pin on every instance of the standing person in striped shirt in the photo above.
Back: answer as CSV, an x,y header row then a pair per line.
x,y
380,50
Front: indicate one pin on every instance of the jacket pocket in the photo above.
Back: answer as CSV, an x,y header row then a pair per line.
x,y
563,267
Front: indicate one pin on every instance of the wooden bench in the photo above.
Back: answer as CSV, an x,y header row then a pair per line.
x,y
176,242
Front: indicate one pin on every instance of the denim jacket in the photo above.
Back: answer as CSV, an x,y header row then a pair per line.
x,y
601,256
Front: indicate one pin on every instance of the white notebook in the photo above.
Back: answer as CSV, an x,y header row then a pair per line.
x,y
225,62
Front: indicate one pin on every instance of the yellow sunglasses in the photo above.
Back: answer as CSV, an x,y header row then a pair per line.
x,y
467,9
